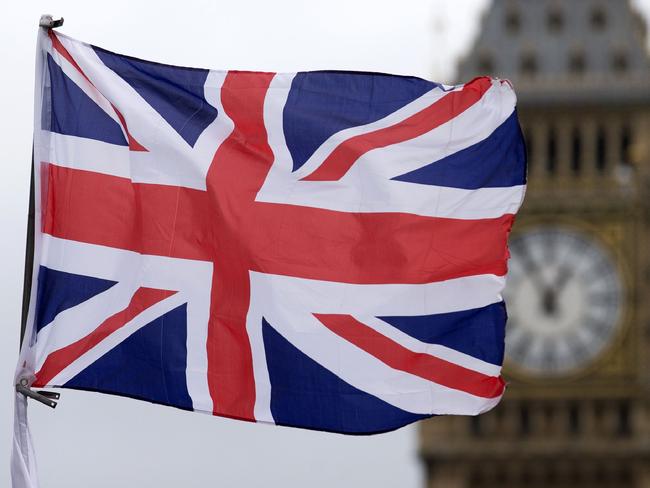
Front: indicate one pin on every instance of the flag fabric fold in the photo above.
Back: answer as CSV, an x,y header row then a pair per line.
x,y
323,250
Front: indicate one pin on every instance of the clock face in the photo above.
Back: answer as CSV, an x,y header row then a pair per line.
x,y
564,297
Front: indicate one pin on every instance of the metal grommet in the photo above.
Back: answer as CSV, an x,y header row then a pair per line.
x,y
24,381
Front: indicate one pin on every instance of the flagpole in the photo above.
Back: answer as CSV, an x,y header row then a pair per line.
x,y
23,462
45,397
29,255
46,22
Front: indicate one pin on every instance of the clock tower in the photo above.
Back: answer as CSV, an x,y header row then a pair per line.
x,y
577,410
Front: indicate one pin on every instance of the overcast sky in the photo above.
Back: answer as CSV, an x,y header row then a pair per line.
x,y
94,440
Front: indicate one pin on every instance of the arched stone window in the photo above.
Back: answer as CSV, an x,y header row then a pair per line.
x,y
524,420
475,427
529,141
601,149
619,62
551,151
598,18
576,151
528,64
485,64
512,22
555,20
573,419
625,145
624,424
577,63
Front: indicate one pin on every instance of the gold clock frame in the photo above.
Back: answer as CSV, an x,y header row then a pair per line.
x,y
611,244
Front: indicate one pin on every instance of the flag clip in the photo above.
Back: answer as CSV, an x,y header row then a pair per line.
x,y
49,22
45,397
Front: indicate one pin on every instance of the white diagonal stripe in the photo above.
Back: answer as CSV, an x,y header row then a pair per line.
x,y
77,322
368,373
165,147
120,335
368,187
192,279
435,350
288,303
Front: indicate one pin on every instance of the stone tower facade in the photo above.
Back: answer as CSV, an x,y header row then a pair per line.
x,y
576,413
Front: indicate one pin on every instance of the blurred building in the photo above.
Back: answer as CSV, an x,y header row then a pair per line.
x,y
576,413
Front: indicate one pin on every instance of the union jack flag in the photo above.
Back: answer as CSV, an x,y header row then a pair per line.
x,y
324,250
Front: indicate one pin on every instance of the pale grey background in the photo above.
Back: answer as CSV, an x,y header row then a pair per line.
x,y
94,440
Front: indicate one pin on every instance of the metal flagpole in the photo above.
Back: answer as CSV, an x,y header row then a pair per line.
x,y
29,256
45,397
23,458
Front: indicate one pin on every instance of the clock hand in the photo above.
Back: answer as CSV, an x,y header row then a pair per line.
x,y
563,277
531,268
551,293
549,301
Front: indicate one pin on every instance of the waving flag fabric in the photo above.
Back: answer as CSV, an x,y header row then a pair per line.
x,y
324,250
